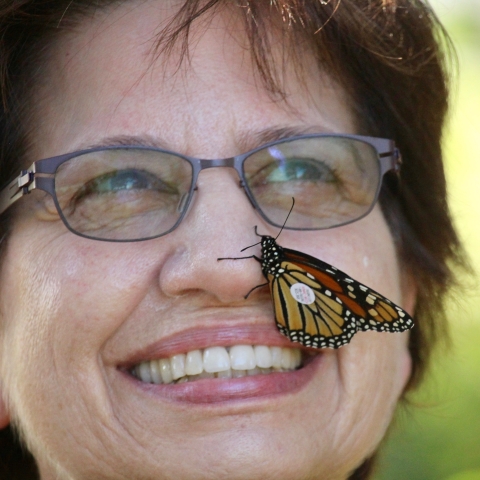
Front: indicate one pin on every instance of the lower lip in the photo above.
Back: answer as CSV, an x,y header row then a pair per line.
x,y
211,391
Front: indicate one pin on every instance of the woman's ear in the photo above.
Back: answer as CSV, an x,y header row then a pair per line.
x,y
409,293
4,417
409,302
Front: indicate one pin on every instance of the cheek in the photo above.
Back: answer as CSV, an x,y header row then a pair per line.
x,y
60,303
372,374
364,250
69,292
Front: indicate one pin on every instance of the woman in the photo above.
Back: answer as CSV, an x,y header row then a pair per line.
x,y
93,320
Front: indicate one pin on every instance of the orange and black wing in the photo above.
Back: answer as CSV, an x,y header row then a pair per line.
x,y
322,307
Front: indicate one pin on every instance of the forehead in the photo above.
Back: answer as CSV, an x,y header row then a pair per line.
x,y
105,79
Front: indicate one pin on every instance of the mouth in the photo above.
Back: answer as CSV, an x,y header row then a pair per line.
x,y
235,361
221,365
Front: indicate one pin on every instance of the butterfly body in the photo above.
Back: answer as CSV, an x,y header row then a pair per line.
x,y
320,306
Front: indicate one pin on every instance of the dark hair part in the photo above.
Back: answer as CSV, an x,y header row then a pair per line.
x,y
388,55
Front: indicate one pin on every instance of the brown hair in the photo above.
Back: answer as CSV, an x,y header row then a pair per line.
x,y
388,55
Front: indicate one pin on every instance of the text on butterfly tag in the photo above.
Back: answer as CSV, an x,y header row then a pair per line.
x,y
302,293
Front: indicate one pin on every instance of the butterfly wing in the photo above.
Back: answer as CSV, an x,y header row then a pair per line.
x,y
307,312
322,307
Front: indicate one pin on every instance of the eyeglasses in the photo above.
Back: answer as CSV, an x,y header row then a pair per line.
x,y
133,193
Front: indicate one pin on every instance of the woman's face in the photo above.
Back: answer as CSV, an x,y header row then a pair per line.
x,y
75,312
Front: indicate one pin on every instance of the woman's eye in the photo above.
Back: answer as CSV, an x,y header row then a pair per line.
x,y
124,180
298,169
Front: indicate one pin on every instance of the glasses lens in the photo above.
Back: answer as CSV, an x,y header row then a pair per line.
x,y
123,194
334,181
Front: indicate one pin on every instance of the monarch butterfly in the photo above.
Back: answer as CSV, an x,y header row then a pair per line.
x,y
316,304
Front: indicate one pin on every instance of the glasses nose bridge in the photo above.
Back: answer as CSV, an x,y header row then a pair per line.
x,y
217,162
230,162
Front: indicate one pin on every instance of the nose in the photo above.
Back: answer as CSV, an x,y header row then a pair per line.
x,y
219,224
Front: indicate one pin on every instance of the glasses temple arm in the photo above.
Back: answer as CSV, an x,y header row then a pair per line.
x,y
17,188
391,161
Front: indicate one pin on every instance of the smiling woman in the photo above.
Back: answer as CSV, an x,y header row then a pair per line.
x,y
127,351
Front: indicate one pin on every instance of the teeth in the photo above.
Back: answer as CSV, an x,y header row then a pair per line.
x,y
276,357
165,370
155,372
216,359
143,371
219,362
194,363
263,356
224,374
287,357
242,357
177,363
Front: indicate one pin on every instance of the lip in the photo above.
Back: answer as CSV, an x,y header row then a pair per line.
x,y
204,337
216,391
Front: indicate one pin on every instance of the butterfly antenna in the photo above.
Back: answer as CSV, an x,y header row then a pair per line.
x,y
255,244
285,222
258,235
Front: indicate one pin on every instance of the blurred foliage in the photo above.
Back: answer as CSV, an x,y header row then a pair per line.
x,y
438,437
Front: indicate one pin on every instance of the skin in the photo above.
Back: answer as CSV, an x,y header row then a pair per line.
x,y
73,310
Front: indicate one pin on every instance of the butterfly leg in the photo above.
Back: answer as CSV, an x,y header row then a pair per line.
x,y
254,288
241,258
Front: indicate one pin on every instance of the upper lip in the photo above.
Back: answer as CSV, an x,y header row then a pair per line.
x,y
209,336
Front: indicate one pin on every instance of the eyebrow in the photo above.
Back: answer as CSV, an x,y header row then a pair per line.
x,y
250,140
246,141
127,140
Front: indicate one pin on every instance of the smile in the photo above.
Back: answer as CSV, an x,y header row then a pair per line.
x,y
219,362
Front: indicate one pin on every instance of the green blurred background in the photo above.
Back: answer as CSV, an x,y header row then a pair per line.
x,y
439,438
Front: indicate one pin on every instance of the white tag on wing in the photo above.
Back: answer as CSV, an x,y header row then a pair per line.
x,y
302,293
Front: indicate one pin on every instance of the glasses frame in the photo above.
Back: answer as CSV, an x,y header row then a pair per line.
x,y
36,176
